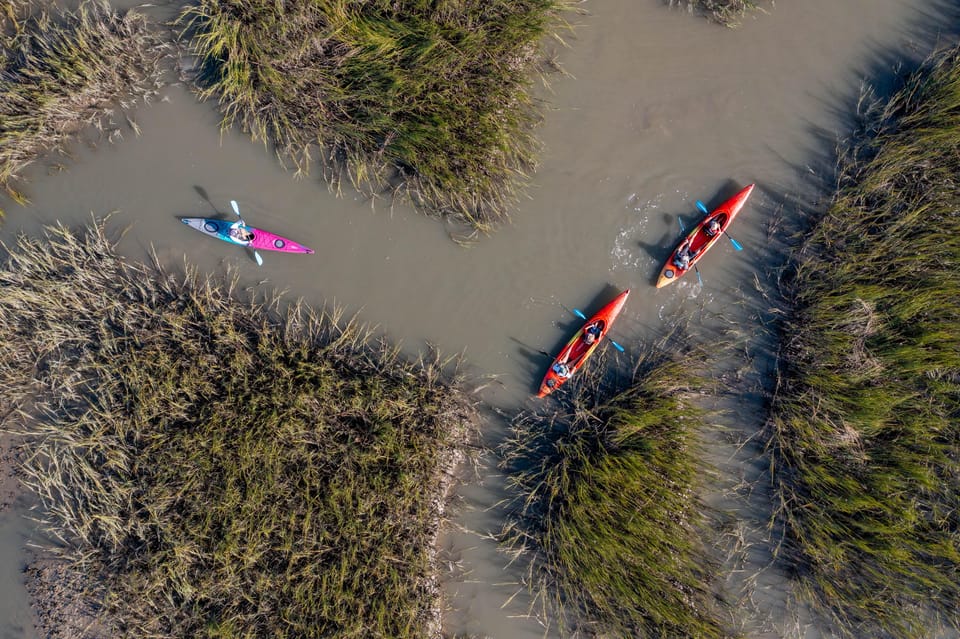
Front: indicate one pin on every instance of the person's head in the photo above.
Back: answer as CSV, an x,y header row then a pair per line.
x,y
714,225
589,337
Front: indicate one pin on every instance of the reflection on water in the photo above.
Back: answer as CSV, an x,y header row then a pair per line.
x,y
663,109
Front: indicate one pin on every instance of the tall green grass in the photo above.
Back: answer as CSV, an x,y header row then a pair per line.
x,y
64,72
865,427
428,99
219,468
607,508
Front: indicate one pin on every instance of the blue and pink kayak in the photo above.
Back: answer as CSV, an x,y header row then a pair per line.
x,y
262,240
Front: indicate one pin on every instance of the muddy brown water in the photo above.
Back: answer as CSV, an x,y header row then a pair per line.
x,y
663,109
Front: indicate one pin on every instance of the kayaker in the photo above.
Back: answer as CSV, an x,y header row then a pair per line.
x,y
562,370
592,333
239,232
682,259
712,228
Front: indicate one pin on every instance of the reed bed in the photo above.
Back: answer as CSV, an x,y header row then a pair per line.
x,y
606,502
865,426
64,72
217,467
725,12
427,100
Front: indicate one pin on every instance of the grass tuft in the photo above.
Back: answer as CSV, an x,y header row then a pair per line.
x,y
725,12
607,511
66,72
429,100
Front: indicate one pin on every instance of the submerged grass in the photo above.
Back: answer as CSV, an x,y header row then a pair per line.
x,y
64,72
431,99
607,508
865,427
220,470
726,12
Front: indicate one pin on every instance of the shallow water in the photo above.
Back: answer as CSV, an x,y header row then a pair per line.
x,y
663,109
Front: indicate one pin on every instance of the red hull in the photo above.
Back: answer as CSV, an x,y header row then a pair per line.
x,y
576,352
697,240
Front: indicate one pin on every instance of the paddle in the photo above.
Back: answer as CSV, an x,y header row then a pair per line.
x,y
735,243
236,209
684,230
577,312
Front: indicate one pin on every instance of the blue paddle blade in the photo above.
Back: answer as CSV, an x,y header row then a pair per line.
x,y
702,207
577,312
736,244
699,279
617,346
680,221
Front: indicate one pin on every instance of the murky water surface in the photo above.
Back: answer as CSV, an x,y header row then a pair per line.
x,y
663,109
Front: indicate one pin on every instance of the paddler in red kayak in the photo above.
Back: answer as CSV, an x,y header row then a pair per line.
x,y
590,334
683,257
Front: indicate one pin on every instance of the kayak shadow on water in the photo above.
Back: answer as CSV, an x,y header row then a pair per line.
x,y
662,248
202,192
539,361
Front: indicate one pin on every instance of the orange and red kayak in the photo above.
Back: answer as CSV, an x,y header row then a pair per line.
x,y
576,352
698,241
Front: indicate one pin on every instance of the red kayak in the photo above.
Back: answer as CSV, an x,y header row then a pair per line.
x,y
700,239
580,346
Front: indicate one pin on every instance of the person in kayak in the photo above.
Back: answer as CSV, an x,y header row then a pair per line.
x,y
592,333
682,258
712,228
562,370
239,232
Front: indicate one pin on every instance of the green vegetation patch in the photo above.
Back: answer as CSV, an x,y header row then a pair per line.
x,y
216,469
865,429
608,513
60,74
431,97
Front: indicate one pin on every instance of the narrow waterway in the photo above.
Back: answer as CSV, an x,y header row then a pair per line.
x,y
662,109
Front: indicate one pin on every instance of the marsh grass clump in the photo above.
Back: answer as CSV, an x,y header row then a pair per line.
x,y
219,468
64,72
431,99
607,512
10,13
865,426
725,12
